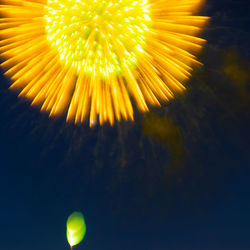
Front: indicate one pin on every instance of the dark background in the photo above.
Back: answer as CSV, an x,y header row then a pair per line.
x,y
177,178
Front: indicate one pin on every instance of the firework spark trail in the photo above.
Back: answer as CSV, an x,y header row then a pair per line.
x,y
90,58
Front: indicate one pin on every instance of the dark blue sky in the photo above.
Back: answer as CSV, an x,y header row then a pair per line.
x,y
177,178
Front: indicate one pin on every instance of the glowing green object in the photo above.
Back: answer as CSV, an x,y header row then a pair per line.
x,y
76,228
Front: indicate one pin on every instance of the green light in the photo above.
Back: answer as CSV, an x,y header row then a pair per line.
x,y
76,228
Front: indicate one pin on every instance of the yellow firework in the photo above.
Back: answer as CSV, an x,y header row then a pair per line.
x,y
89,57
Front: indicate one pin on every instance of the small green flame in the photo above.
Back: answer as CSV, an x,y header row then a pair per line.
x,y
76,228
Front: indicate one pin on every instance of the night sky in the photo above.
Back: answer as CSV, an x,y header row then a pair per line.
x,y
177,178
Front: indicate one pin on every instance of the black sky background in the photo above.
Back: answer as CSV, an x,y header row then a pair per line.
x,y
177,178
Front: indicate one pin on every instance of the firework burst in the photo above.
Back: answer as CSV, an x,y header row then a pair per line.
x,y
89,57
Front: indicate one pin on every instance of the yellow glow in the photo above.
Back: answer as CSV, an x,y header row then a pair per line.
x,y
90,57
84,32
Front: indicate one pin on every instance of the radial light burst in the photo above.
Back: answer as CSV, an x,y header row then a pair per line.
x,y
90,58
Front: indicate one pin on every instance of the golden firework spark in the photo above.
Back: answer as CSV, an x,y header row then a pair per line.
x,y
89,57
